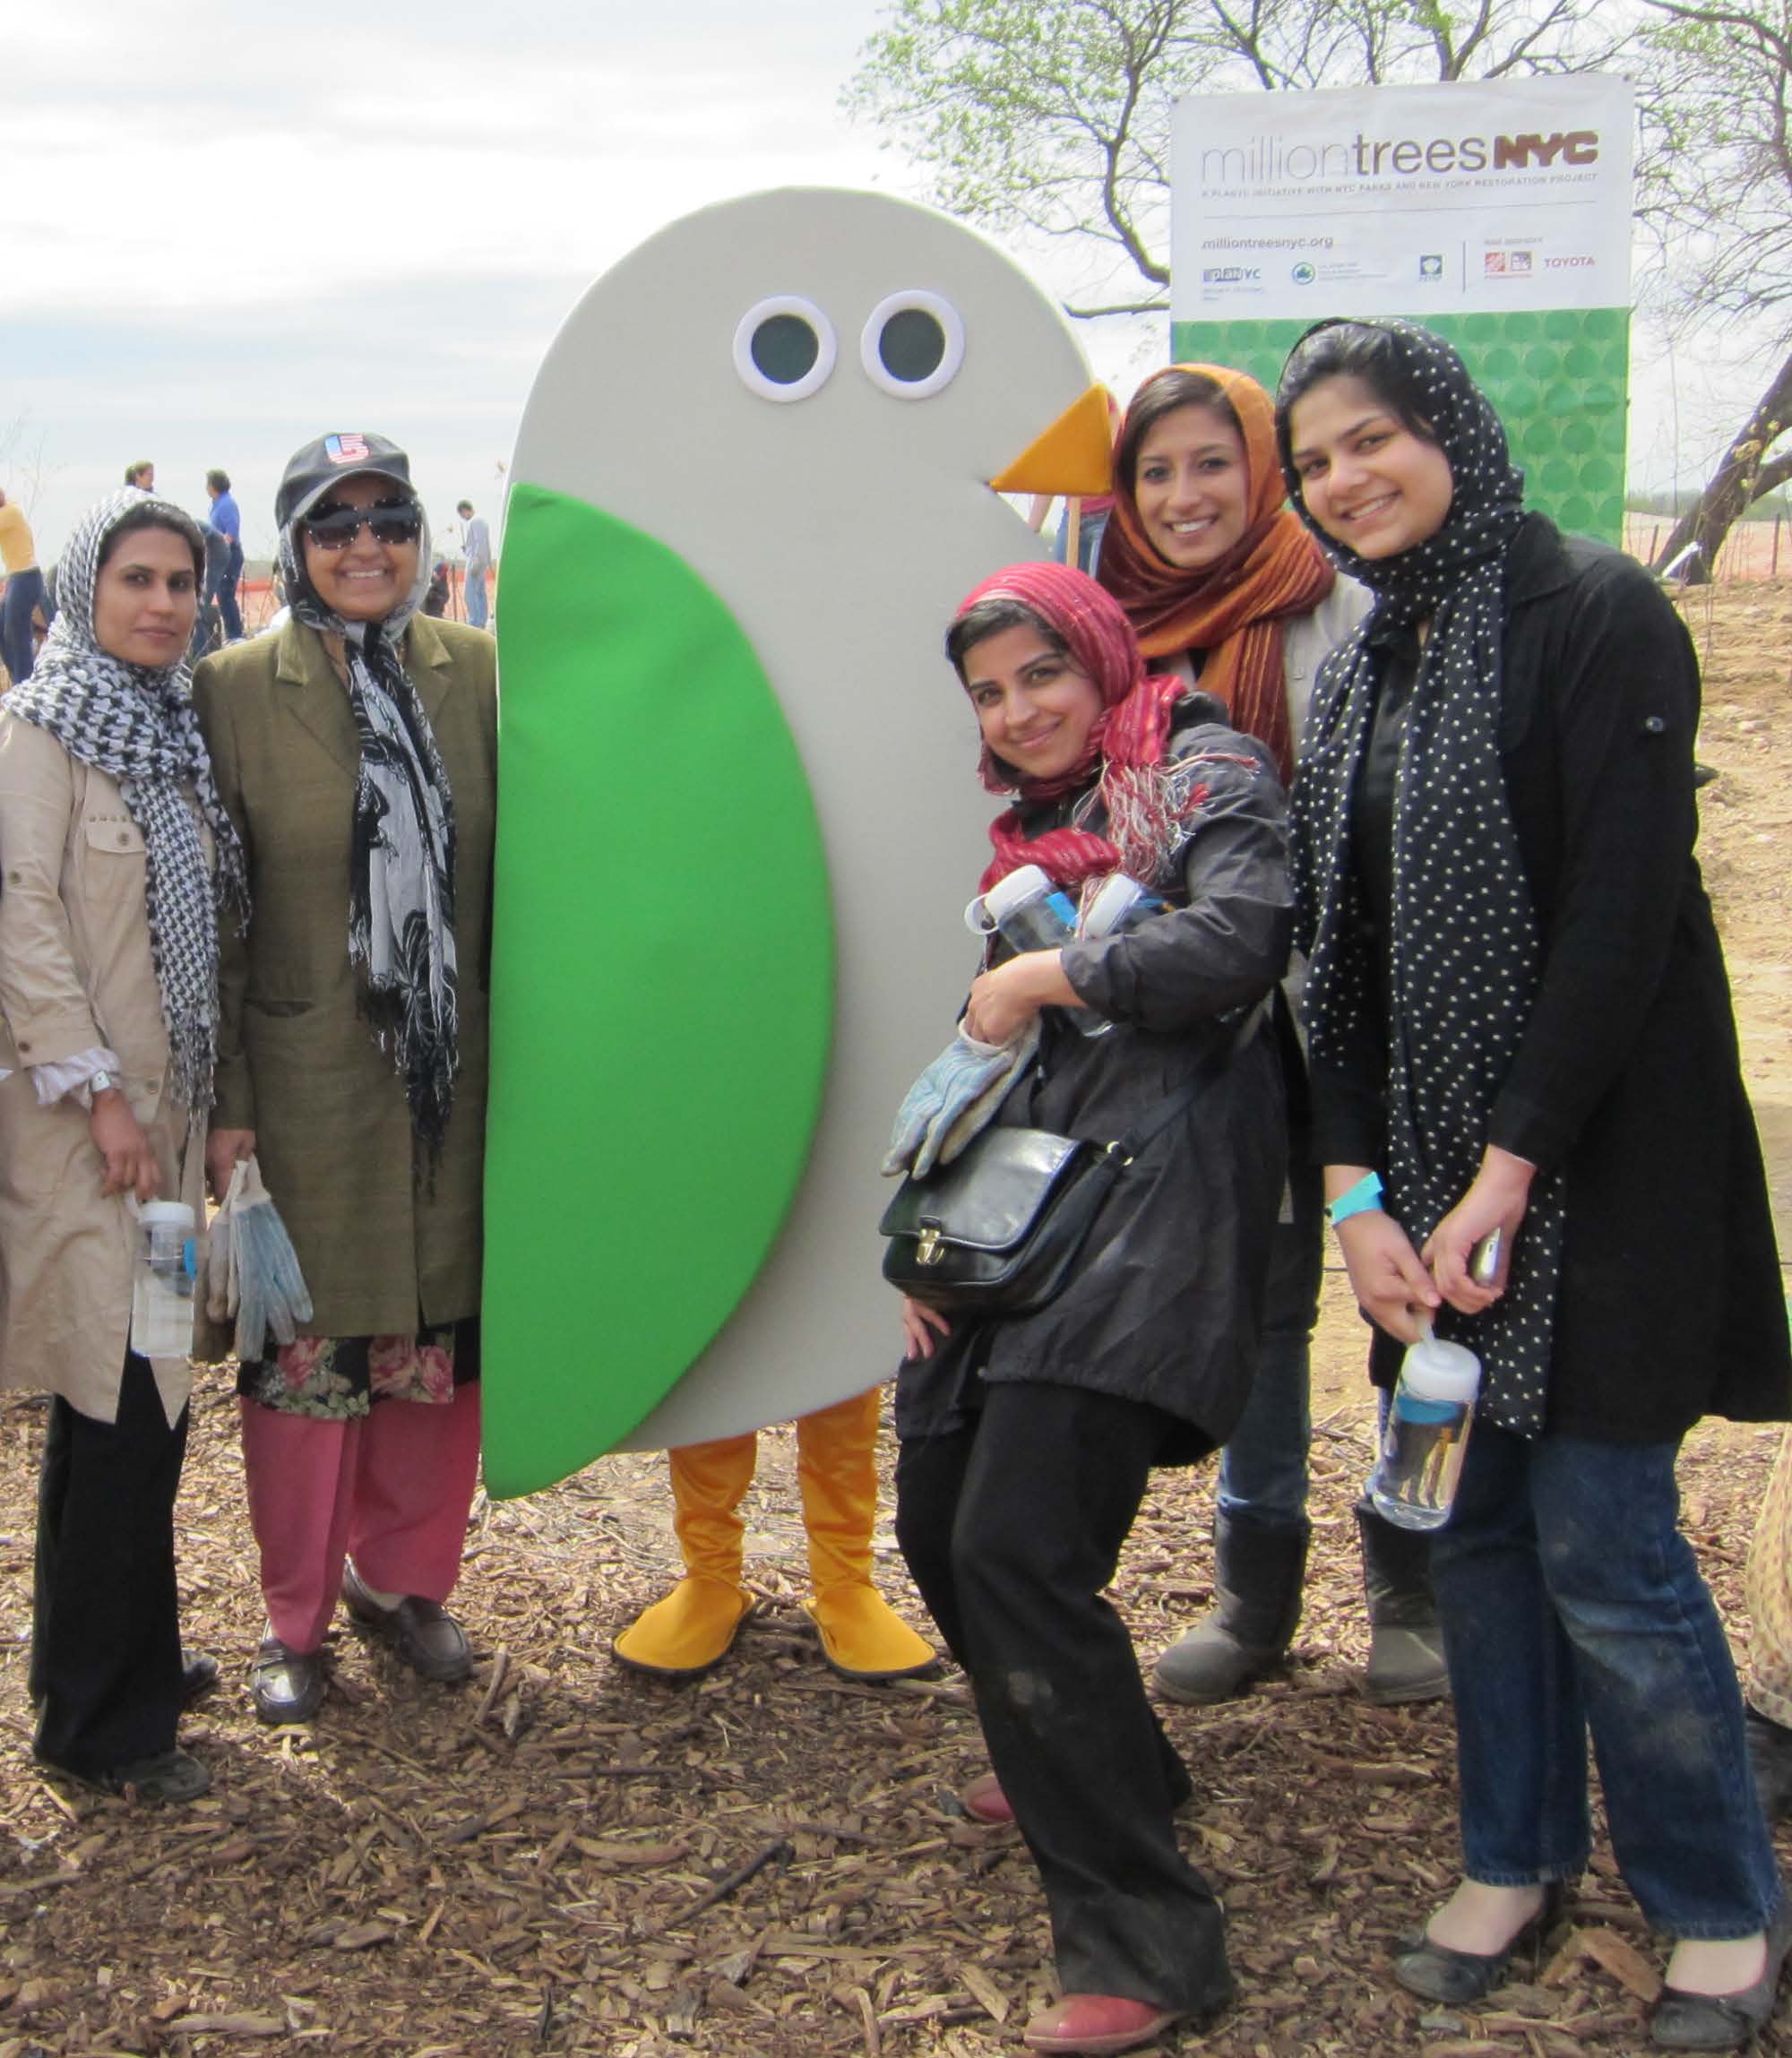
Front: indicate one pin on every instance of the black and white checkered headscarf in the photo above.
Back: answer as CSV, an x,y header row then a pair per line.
x,y
135,723
1466,951
402,856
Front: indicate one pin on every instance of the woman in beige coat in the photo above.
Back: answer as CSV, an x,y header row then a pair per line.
x,y
357,753
111,835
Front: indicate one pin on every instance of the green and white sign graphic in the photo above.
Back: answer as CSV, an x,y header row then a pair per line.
x,y
1497,214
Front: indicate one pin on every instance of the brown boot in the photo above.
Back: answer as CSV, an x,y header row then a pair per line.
x,y
692,1629
862,1636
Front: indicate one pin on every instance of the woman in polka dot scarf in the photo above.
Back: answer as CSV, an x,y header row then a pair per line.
x,y
1519,1024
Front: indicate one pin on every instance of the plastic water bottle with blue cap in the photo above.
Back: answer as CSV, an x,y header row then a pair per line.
x,y
1433,1409
1032,914
161,1279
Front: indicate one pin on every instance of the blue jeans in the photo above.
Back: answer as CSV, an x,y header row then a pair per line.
x,y
24,591
222,594
1262,1470
476,597
1572,1602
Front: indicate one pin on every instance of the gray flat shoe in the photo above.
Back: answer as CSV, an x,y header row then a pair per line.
x,y
1459,1978
1681,2021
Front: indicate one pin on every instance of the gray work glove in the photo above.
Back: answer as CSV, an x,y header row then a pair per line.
x,y
954,1099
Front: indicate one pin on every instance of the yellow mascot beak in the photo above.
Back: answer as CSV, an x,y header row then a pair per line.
x,y
1073,457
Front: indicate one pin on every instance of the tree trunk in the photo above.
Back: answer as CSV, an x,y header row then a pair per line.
x,y
1733,486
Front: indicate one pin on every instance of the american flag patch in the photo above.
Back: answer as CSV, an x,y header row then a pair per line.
x,y
346,449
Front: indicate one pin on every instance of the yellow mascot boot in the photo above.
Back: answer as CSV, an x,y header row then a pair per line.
x,y
862,1636
692,1627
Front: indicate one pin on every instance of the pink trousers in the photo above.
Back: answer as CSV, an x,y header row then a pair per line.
x,y
392,1489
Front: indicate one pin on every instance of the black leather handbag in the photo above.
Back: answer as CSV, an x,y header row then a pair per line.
x,y
997,1230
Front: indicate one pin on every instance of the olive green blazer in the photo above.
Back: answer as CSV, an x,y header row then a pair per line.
x,y
382,1246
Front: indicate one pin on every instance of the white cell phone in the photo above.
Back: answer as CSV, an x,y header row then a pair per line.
x,y
1484,1260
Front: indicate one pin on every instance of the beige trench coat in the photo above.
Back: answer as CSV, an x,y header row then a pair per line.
x,y
381,1251
75,973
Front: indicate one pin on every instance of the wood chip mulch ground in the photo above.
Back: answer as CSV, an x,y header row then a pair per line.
x,y
562,1856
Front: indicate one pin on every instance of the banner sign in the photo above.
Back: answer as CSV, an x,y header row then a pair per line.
x,y
1498,213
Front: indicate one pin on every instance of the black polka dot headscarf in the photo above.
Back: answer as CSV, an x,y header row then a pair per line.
x,y
1466,953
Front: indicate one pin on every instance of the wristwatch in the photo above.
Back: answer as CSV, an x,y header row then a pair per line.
x,y
103,1082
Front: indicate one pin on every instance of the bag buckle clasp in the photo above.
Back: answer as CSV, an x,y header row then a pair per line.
x,y
927,1251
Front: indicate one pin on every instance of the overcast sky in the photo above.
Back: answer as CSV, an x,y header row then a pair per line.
x,y
230,228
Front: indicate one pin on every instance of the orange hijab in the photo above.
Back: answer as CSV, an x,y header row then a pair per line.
x,y
1233,610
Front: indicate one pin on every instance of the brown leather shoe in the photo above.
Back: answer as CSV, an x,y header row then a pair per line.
x,y
424,1635
286,1685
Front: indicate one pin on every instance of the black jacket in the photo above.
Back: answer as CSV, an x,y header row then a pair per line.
x,y
1670,1303
1164,1305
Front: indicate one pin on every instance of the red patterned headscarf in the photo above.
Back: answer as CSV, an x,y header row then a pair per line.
x,y
1125,747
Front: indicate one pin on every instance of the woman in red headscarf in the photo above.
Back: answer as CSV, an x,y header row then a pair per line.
x,y
1223,583
1026,1442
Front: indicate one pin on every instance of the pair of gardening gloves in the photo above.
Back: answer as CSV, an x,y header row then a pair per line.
x,y
252,1271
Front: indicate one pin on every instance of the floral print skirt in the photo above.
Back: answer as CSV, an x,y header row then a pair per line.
x,y
338,1378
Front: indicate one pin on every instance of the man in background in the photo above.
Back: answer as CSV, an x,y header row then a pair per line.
x,y
478,562
222,586
141,475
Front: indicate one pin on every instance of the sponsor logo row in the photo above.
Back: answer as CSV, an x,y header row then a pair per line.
x,y
1494,264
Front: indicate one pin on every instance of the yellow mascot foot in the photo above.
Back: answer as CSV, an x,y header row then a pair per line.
x,y
687,1633
864,1638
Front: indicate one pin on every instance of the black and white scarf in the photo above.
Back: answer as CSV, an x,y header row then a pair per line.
x,y
402,853
1466,950
135,723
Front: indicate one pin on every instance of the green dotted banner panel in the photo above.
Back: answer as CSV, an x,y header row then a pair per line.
x,y
1559,379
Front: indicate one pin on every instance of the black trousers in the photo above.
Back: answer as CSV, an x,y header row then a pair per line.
x,y
1011,1527
105,1629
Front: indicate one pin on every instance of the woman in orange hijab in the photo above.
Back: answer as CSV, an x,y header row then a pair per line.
x,y
1223,583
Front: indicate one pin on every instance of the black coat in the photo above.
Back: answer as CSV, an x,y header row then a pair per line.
x,y
1670,1303
1164,1304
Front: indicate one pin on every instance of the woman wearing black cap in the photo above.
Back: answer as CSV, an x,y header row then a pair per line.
x,y
357,753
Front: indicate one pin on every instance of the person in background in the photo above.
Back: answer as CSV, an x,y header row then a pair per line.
x,y
121,866
356,751
478,543
25,593
141,475
1223,585
1519,1020
205,630
221,591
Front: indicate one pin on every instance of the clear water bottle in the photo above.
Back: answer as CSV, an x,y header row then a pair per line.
x,y
1414,1482
162,1282
1032,914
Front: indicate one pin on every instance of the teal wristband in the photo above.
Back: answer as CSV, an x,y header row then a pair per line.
x,y
1365,1195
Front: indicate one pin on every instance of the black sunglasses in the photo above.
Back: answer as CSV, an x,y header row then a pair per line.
x,y
333,526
